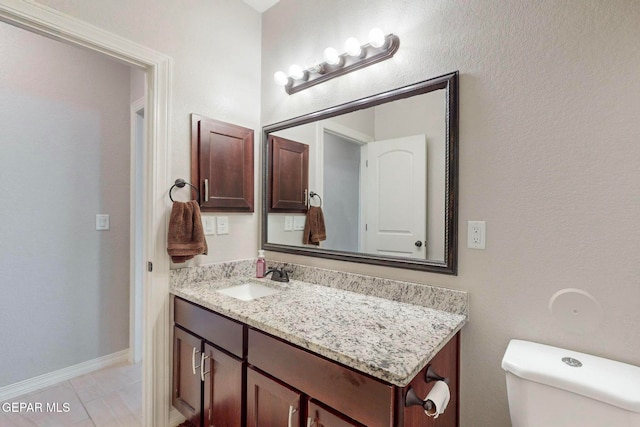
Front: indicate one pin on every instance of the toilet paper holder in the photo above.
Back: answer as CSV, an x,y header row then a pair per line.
x,y
412,399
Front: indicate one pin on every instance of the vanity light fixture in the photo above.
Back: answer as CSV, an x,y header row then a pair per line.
x,y
331,56
352,46
356,56
296,72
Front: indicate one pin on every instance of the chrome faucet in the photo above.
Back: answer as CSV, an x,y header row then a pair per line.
x,y
278,274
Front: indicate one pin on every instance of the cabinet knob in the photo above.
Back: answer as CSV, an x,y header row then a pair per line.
x,y
418,243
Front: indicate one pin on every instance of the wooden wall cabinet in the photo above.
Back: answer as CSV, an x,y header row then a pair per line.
x,y
222,165
288,175
255,380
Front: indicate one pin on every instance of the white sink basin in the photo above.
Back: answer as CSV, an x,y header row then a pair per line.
x,y
248,291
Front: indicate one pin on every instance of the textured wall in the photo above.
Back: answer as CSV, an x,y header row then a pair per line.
x,y
549,157
64,157
215,46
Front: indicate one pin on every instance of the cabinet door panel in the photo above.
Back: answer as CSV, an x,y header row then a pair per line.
x,y
288,175
319,416
187,390
222,389
222,153
270,403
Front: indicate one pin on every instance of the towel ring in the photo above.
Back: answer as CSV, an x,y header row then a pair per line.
x,y
314,194
180,183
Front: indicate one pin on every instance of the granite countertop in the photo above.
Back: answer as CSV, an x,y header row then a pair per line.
x,y
389,340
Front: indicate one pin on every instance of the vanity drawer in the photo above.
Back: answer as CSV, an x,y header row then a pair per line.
x,y
356,395
217,329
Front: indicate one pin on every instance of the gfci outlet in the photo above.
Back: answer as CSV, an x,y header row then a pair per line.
x,y
476,234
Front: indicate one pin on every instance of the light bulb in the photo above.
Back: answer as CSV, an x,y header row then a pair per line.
x,y
352,46
296,72
281,78
331,56
376,37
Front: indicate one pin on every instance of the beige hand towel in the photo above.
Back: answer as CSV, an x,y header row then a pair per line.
x,y
186,237
314,229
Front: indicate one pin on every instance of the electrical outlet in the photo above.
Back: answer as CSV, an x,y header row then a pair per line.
x,y
476,234
298,222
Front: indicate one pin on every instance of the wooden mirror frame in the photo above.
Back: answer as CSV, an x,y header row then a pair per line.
x,y
448,82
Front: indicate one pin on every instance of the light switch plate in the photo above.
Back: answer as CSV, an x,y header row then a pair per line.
x,y
209,225
298,222
223,225
102,222
288,223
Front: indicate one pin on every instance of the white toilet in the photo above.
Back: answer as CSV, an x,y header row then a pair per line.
x,y
553,387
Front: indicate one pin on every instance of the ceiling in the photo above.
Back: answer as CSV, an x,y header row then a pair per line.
x,y
261,5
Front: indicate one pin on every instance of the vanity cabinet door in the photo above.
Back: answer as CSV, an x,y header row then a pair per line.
x,y
270,403
187,387
319,416
222,389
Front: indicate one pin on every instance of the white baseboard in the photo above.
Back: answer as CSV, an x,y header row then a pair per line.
x,y
36,383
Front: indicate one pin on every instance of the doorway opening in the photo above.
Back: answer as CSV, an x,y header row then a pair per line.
x,y
155,290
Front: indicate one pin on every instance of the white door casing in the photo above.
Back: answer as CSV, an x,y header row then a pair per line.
x,y
136,269
396,195
34,17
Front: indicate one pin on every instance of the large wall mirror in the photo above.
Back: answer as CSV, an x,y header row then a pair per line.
x,y
382,168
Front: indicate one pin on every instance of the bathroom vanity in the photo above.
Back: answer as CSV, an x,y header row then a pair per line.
x,y
308,355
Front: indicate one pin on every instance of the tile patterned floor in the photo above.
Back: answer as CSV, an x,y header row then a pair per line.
x,y
111,397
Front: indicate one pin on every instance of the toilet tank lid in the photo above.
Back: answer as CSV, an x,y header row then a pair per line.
x,y
605,380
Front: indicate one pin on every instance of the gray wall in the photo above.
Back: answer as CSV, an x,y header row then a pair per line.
x,y
549,158
341,198
64,157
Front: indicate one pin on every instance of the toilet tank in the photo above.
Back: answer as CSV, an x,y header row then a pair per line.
x,y
553,387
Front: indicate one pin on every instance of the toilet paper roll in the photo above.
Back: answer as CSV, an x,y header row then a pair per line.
x,y
440,396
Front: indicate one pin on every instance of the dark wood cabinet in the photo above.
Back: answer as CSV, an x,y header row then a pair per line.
x,y
223,380
187,392
319,416
271,403
245,377
446,364
354,394
288,175
208,380
222,165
